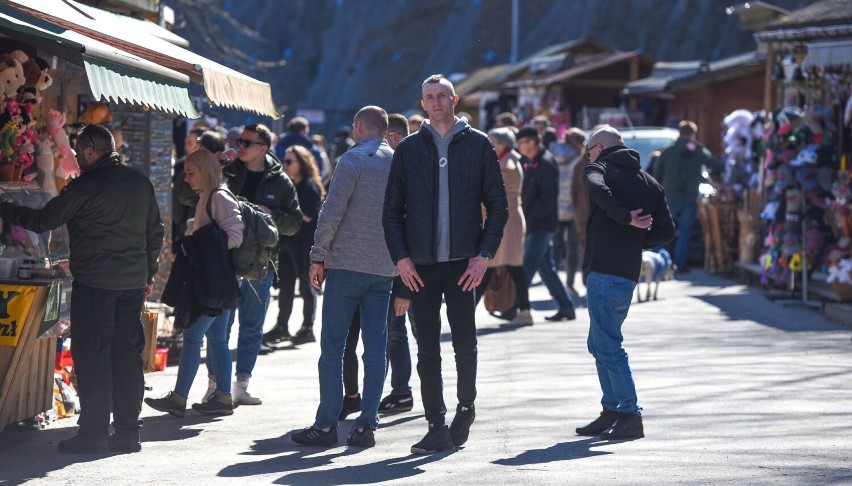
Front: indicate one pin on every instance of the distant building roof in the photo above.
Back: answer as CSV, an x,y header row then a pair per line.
x,y
668,77
824,12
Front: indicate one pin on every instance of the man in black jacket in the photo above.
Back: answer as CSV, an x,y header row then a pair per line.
x,y
258,176
540,200
439,180
115,236
628,213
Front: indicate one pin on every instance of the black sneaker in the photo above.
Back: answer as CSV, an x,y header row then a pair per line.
x,y
396,403
82,445
436,440
361,437
219,404
460,428
171,404
276,336
350,405
606,420
315,437
124,443
304,335
628,426
562,315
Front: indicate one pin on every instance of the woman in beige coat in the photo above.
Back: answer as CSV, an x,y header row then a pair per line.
x,y
510,253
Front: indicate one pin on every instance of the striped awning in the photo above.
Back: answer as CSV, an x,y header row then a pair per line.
x,y
831,53
113,74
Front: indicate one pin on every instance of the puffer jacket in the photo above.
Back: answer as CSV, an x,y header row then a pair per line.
x,y
114,225
276,191
410,216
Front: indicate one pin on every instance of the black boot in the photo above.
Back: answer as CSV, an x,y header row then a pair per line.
x,y
628,426
606,420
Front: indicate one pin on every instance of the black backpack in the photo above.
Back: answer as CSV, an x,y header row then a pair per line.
x,y
253,258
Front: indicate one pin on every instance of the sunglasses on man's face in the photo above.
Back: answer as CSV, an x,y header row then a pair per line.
x,y
248,143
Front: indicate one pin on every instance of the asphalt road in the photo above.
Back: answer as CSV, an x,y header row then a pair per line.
x,y
735,390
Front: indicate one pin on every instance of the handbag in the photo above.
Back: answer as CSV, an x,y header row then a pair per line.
x,y
150,323
499,295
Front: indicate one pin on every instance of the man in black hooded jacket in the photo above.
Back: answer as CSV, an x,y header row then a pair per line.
x,y
628,214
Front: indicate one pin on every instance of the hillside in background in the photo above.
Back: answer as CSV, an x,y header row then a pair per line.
x,y
344,54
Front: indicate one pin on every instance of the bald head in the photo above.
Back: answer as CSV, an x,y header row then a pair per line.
x,y
370,121
607,137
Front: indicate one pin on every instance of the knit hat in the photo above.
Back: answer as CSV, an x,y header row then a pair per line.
x,y
528,132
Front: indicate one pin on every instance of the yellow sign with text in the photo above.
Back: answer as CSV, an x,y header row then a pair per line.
x,y
15,304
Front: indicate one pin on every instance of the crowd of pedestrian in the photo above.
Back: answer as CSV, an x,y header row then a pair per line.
x,y
395,218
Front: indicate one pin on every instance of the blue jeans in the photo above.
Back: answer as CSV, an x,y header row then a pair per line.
x,y
344,291
538,257
399,356
684,211
609,300
218,353
254,297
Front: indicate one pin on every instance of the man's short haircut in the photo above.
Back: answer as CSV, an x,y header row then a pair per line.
x,y
262,132
197,131
100,138
416,118
397,122
502,135
687,128
507,119
574,136
298,125
439,79
374,118
607,137
212,141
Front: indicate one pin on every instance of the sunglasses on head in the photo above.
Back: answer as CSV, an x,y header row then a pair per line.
x,y
248,143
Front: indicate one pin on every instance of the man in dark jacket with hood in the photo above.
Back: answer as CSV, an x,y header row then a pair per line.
x,y
257,175
628,213
439,179
115,236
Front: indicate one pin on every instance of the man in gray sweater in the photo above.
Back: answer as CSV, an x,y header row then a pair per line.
x,y
350,253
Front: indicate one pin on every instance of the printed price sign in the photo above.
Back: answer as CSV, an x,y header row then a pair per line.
x,y
15,304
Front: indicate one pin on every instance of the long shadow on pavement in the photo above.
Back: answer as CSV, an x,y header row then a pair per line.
x,y
162,428
288,457
564,451
751,306
484,331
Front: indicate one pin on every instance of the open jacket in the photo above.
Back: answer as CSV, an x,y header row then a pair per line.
x,y
410,215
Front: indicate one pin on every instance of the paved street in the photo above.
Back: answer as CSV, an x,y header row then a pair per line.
x,y
736,390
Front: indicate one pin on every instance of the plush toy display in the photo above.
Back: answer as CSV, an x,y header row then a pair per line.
x,y
54,122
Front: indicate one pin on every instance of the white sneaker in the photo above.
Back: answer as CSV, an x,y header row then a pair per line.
x,y
211,389
524,318
242,395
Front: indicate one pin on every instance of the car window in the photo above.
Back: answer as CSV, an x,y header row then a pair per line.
x,y
646,146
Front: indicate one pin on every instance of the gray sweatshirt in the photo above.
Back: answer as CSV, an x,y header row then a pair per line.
x,y
443,143
349,234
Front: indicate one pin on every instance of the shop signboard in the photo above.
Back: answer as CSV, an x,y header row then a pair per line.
x,y
15,304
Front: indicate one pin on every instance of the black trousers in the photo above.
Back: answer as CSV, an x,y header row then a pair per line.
x,y
106,343
293,264
440,281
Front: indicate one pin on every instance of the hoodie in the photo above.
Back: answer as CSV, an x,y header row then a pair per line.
x,y
616,186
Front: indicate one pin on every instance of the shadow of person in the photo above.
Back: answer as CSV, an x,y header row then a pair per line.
x,y
400,420
162,428
395,470
564,451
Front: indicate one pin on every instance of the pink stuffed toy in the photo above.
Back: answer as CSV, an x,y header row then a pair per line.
x,y
54,121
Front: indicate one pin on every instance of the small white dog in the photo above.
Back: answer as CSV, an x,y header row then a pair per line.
x,y
656,266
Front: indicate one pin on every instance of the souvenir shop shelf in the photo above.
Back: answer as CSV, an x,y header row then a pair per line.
x,y
33,309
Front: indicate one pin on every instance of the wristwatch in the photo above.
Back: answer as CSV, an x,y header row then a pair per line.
x,y
485,254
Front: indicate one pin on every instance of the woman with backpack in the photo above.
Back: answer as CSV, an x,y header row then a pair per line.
x,y
294,251
204,175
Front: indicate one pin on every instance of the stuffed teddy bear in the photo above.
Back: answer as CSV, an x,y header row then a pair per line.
x,y
12,72
54,122
36,75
